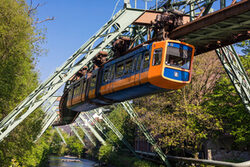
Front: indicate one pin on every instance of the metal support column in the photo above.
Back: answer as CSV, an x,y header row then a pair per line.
x,y
7,126
60,134
77,135
80,58
93,130
130,110
96,123
87,134
235,70
117,132
48,123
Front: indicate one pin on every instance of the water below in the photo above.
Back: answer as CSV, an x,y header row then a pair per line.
x,y
70,162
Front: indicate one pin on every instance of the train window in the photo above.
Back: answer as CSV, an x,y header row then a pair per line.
x,y
106,74
138,64
93,81
157,57
83,86
77,90
128,66
178,55
70,94
112,72
119,69
134,64
146,60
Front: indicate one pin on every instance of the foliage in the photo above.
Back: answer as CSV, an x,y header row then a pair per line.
x,y
176,118
123,160
105,153
226,104
245,45
18,48
57,147
74,146
142,163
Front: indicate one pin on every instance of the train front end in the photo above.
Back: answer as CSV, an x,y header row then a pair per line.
x,y
171,64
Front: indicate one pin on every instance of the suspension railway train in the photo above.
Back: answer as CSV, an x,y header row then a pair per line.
x,y
151,68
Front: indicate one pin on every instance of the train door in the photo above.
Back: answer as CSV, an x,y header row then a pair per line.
x,y
156,63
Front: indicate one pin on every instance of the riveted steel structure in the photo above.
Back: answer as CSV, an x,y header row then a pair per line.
x,y
206,31
116,131
95,133
77,135
97,124
85,53
60,134
235,70
134,116
85,131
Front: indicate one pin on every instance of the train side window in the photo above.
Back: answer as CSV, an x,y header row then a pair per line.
x,y
77,90
112,72
157,57
93,81
128,66
83,86
134,64
119,69
70,94
138,64
106,74
146,60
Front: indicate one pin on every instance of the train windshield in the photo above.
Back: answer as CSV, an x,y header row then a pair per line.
x,y
179,55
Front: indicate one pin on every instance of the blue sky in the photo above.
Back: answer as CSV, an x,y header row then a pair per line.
x,y
75,22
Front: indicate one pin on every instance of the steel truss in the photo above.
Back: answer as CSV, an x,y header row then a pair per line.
x,y
235,70
134,116
87,133
95,133
8,126
80,58
48,123
97,124
77,135
60,134
116,131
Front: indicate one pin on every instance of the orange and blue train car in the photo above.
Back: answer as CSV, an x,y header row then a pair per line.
x,y
149,69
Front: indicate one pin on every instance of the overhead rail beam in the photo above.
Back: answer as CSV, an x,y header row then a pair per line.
x,y
115,26
223,27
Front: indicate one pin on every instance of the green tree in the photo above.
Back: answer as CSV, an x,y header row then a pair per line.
x,y
176,118
18,48
226,105
74,146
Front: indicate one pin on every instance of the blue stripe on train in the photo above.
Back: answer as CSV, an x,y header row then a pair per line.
x,y
176,74
133,92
